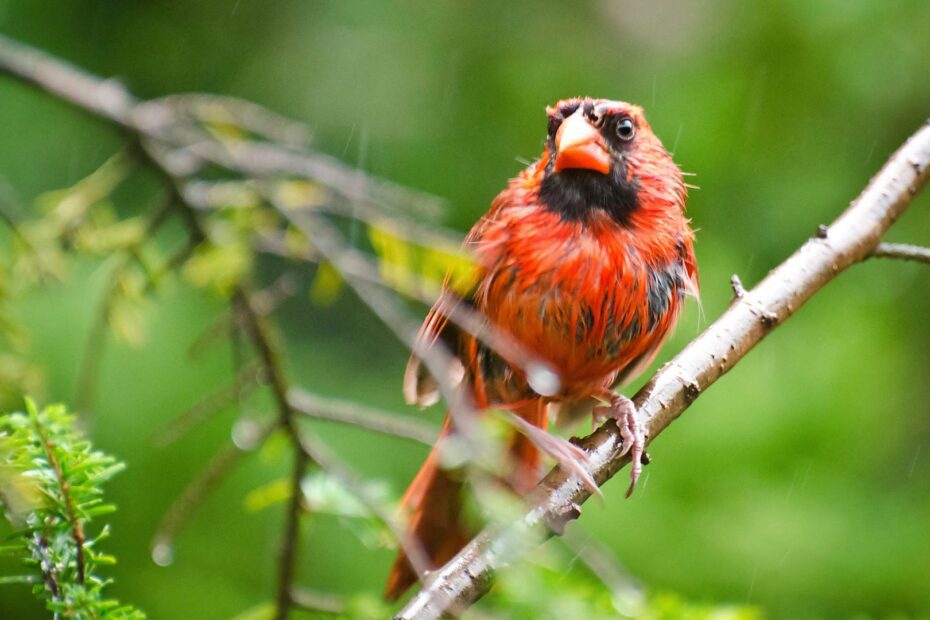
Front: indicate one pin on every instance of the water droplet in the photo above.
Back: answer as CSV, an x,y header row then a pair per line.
x,y
163,554
543,379
245,434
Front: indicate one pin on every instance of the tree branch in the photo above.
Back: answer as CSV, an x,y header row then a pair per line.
x,y
902,251
67,501
317,602
852,238
346,412
287,559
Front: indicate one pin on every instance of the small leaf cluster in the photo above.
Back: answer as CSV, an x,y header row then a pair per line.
x,y
51,483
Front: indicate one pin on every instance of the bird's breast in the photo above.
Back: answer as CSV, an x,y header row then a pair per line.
x,y
585,296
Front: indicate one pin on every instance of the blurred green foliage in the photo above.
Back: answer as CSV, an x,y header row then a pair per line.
x,y
51,483
799,485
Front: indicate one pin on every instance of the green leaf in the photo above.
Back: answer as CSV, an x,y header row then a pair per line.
x,y
262,611
415,269
218,266
70,206
274,492
324,494
326,286
301,194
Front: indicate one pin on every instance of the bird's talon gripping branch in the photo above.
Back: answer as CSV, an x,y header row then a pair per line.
x,y
623,412
570,457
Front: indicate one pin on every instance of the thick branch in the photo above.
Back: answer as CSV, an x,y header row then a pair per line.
x,y
851,238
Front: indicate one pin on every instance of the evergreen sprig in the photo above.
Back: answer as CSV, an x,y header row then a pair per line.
x,y
51,483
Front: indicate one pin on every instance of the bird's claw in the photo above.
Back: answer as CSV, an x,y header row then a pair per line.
x,y
570,457
622,411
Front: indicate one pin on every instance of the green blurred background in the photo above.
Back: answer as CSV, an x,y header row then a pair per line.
x,y
799,484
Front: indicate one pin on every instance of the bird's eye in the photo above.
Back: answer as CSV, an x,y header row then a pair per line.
x,y
626,129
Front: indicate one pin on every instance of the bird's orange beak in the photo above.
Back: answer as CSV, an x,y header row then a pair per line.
x,y
579,145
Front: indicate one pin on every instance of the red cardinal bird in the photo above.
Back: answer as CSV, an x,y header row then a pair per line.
x,y
584,259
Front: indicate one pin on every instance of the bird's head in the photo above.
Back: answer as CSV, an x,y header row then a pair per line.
x,y
602,154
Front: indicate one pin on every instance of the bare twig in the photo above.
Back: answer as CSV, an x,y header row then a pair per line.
x,y
95,342
346,412
287,558
852,238
264,301
252,322
411,547
106,99
96,338
737,286
220,110
10,214
437,357
902,251
251,319
603,565
318,602
245,381
196,491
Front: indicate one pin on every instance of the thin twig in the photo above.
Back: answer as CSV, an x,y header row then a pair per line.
x,y
9,213
736,285
220,110
437,357
902,251
252,322
602,563
317,602
86,384
96,337
198,489
287,558
341,473
253,325
77,528
49,574
346,412
244,383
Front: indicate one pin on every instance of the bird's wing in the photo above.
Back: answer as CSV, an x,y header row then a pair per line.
x,y
420,387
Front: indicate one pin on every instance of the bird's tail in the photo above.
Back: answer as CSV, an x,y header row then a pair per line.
x,y
434,501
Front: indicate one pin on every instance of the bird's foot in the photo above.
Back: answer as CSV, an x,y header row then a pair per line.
x,y
570,457
622,411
